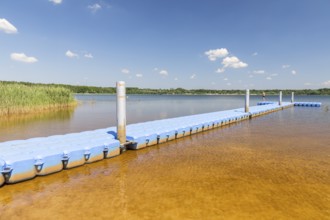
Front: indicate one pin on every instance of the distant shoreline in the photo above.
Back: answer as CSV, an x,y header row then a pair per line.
x,y
104,94
80,89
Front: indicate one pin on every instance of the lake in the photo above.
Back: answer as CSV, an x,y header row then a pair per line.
x,y
275,166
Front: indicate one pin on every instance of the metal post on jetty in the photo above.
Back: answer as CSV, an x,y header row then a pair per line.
x,y
247,100
292,97
121,112
280,98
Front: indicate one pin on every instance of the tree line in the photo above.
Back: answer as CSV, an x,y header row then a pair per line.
x,y
175,91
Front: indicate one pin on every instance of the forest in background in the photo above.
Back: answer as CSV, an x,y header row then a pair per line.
x,y
174,91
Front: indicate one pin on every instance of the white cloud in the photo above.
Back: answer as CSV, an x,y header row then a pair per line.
x,y
70,54
155,69
139,75
176,79
56,2
125,71
226,79
294,72
269,78
255,54
7,27
23,58
228,84
163,72
326,83
213,83
285,66
193,76
216,53
259,72
251,76
220,70
88,55
94,8
274,74
308,84
233,62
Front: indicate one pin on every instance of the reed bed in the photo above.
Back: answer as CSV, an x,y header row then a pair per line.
x,y
17,98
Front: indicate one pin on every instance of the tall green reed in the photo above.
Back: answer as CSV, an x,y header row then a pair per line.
x,y
17,98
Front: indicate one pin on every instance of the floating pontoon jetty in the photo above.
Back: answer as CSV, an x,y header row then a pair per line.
x,y
25,159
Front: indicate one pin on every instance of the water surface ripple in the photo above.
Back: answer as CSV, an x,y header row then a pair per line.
x,y
272,167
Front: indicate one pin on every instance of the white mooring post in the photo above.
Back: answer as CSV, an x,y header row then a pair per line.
x,y
247,100
280,101
292,97
121,112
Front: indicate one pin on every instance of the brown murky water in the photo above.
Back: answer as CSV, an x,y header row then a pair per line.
x,y
272,167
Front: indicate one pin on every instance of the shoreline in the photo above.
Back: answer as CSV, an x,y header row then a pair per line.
x,y
82,89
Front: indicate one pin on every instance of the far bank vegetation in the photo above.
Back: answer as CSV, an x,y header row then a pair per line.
x,y
81,89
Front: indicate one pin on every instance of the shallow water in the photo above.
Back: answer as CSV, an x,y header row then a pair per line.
x,y
99,111
275,166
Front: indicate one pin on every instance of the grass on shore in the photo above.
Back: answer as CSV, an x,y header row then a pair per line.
x,y
17,98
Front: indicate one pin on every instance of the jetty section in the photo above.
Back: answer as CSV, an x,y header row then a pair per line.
x,y
25,159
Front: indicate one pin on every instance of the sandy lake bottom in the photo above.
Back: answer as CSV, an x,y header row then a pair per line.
x,y
272,167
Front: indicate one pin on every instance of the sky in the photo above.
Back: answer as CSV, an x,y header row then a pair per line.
x,y
191,44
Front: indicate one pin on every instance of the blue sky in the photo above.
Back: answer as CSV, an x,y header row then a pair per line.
x,y
210,44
